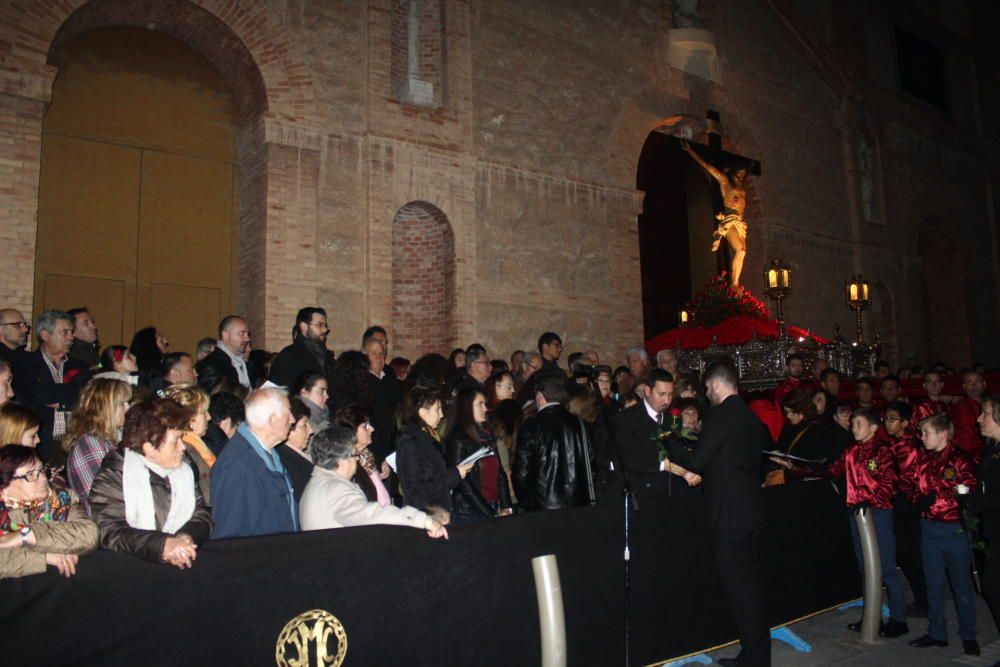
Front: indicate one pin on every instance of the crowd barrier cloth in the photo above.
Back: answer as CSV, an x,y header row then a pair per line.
x,y
401,598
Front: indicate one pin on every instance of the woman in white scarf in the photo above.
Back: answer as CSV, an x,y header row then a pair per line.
x,y
145,499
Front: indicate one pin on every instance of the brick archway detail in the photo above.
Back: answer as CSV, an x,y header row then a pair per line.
x,y
423,280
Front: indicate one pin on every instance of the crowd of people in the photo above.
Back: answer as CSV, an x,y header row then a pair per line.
x,y
152,452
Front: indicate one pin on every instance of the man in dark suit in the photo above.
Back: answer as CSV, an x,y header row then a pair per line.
x,y
635,431
728,457
47,380
385,391
308,352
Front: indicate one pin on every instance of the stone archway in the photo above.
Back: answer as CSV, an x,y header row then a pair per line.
x,y
884,316
423,280
278,139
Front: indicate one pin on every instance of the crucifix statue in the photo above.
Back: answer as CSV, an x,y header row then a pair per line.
x,y
730,223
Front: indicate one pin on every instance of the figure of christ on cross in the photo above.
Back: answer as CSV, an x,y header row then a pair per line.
x,y
731,225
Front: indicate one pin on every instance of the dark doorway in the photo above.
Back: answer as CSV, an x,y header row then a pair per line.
x,y
664,252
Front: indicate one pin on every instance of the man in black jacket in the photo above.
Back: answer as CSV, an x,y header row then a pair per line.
x,y
307,353
636,430
47,380
226,362
14,331
728,457
552,468
385,391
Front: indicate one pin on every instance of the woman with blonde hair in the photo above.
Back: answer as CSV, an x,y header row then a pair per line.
x,y
190,396
94,430
19,425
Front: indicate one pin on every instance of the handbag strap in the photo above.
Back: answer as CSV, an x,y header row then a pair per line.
x,y
799,437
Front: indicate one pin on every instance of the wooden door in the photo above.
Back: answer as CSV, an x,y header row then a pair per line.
x,y
137,199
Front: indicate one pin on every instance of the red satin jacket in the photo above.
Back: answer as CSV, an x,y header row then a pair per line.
x,y
940,473
906,449
925,410
870,469
967,436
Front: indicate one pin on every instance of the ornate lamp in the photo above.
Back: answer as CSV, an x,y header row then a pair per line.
x,y
778,285
858,298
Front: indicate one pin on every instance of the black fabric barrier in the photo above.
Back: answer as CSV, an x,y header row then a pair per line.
x,y
406,599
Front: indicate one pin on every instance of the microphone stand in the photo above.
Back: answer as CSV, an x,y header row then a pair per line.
x,y
630,500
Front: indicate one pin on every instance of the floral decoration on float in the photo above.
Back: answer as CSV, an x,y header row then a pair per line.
x,y
722,314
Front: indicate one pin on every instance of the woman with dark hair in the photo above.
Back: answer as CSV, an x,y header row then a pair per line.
x,y
499,387
825,403
349,381
145,498
259,366
425,480
505,419
457,360
294,451
401,367
430,370
41,523
806,435
622,384
148,346
485,492
19,425
312,389
117,363
369,475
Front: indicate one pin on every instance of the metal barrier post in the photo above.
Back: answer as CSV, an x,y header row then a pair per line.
x,y
551,621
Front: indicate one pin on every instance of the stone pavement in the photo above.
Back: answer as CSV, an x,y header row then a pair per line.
x,y
833,644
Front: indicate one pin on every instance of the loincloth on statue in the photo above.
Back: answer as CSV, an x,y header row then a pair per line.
x,y
726,223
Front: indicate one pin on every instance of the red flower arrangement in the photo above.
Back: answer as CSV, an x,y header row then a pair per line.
x,y
719,300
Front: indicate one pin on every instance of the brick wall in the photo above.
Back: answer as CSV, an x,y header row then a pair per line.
x,y
423,281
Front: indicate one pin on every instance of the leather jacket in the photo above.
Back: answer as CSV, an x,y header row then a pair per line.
x,y
107,506
552,469
467,497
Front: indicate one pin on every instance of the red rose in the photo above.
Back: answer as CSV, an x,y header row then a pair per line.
x,y
675,412
70,374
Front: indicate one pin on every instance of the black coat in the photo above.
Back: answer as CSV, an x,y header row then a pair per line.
x,y
299,469
728,457
987,498
34,387
635,433
552,468
385,394
424,478
297,359
467,497
821,439
214,368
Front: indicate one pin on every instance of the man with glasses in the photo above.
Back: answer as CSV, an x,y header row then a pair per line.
x,y
477,370
14,331
307,353
47,380
550,346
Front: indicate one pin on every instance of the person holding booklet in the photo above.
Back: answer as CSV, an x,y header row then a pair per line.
x,y
333,500
485,492
425,480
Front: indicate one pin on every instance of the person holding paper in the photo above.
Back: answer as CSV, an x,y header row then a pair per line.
x,y
485,492
332,500
425,480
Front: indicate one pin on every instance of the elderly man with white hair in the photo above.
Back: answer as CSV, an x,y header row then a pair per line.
x,y
251,490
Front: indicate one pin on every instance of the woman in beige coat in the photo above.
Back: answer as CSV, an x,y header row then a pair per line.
x,y
41,524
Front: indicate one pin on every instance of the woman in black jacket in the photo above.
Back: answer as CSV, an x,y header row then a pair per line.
x,y
425,481
485,492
